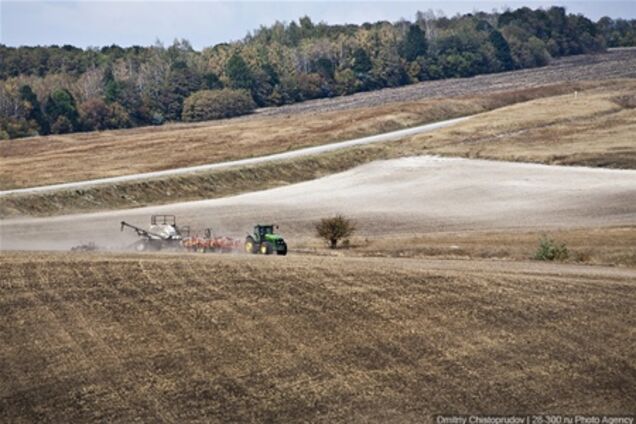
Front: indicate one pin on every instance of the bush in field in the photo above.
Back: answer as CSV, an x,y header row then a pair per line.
x,y
216,104
335,229
549,250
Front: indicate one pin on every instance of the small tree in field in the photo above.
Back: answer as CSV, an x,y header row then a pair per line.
x,y
335,229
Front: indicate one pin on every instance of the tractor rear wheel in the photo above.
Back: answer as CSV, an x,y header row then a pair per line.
x,y
250,245
266,248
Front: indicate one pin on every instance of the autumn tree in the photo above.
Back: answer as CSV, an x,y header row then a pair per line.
x,y
215,104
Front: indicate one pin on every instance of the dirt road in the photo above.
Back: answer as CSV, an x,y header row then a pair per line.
x,y
410,195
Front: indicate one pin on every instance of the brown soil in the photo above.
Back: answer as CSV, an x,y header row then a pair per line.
x,y
151,338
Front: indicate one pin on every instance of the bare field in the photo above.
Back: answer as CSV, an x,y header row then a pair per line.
x,y
211,338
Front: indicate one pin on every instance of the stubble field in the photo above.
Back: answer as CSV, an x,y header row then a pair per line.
x,y
164,337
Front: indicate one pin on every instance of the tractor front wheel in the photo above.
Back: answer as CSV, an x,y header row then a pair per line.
x,y
266,248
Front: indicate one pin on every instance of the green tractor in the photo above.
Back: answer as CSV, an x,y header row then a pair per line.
x,y
264,241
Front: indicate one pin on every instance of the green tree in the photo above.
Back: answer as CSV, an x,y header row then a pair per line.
x,y
239,73
361,61
61,104
182,81
211,81
111,87
415,43
325,68
502,50
34,109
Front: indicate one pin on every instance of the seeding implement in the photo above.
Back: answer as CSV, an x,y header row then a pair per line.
x,y
210,243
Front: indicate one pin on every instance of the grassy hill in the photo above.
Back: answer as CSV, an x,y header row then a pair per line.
x,y
590,125
64,158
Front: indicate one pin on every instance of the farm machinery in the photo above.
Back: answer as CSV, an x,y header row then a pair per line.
x,y
210,243
265,241
164,234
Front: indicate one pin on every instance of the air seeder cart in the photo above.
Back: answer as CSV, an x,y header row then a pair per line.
x,y
163,233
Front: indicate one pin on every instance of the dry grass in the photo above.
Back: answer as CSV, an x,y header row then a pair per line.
x,y
590,129
587,128
187,187
180,339
55,159
599,246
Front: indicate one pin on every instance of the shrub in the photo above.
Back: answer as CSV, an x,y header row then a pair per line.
x,y
216,104
549,250
335,229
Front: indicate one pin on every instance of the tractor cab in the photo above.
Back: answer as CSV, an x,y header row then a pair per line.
x,y
261,231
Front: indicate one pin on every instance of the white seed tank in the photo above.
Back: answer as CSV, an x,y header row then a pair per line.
x,y
165,231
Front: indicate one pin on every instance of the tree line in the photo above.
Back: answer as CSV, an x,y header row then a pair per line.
x,y
55,89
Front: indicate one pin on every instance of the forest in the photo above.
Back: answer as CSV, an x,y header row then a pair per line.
x,y
64,89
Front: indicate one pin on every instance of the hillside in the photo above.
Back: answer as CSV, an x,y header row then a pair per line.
x,y
174,338
56,159
415,206
591,127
